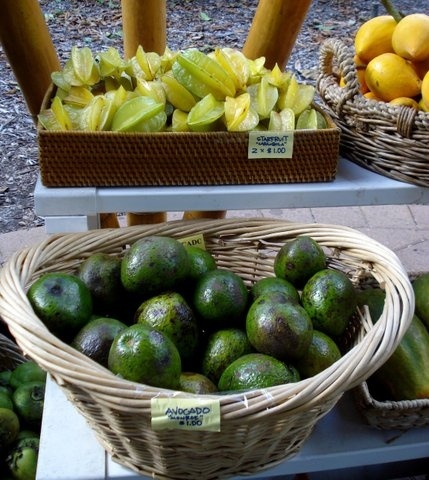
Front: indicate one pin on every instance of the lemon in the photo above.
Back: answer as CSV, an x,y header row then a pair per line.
x,y
406,101
410,39
374,37
425,92
390,76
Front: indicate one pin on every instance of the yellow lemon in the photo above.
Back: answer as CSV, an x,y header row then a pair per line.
x,y
425,92
390,76
372,96
410,39
374,37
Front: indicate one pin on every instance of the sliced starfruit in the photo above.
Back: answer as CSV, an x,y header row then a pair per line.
x,y
139,114
239,116
61,114
201,75
78,96
307,120
179,121
177,94
282,121
263,97
152,89
111,64
84,65
204,115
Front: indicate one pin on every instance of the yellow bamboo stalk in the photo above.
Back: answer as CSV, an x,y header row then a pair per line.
x,y
28,46
274,29
198,215
144,23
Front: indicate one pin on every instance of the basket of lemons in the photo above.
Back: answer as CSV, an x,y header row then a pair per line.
x,y
205,348
377,91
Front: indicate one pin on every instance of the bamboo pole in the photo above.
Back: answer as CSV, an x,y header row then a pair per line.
x,y
28,46
274,30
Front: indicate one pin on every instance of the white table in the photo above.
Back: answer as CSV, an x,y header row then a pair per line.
x,y
69,450
77,209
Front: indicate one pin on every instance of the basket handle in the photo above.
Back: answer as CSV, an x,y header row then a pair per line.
x,y
335,49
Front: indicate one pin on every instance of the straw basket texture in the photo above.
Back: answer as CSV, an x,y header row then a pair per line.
x,y
387,139
259,428
389,415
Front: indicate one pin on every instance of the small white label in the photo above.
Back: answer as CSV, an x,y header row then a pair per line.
x,y
185,414
270,144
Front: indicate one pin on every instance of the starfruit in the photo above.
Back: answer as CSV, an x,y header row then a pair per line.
x,y
61,115
201,75
91,115
263,97
152,89
144,64
297,96
111,64
179,121
282,121
60,81
234,63
84,65
113,100
204,115
139,114
78,96
307,120
177,94
239,116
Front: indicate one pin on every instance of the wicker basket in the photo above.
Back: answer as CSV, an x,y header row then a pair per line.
x,y
10,354
390,415
97,159
259,428
387,139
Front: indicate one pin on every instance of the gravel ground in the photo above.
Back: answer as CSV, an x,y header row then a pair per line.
x,y
204,24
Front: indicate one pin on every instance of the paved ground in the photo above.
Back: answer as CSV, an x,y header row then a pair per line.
x,y
403,228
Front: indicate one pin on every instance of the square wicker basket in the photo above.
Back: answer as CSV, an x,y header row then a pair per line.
x,y
97,159
388,139
258,428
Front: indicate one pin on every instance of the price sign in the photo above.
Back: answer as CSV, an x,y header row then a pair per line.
x,y
270,144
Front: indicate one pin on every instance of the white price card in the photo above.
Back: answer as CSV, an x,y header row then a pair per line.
x,y
270,144
185,414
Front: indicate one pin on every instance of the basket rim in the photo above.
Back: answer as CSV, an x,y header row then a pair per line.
x,y
354,366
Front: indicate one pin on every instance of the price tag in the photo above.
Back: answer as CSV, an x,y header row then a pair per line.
x,y
270,144
185,414
194,241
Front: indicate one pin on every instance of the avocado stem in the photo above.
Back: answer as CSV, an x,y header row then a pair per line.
x,y
392,10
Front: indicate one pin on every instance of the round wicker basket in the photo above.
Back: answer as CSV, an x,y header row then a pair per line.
x,y
10,354
387,139
259,428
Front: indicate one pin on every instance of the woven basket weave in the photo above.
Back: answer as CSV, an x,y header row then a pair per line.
x,y
97,159
258,428
10,354
387,139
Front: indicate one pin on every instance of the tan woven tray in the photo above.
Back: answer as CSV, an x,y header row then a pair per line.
x,y
390,415
258,428
96,159
387,139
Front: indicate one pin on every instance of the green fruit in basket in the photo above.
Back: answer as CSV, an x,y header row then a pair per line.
x,y
298,259
269,285
9,427
145,64
90,118
22,461
28,400
263,97
170,314
6,400
84,65
78,96
421,293
374,299
321,354
202,75
307,120
196,383
200,262
25,372
177,94
95,338
296,96
144,355
61,115
282,121
220,298
111,64
153,265
256,370
222,348
139,114
239,114
205,113
179,121
234,63
330,299
280,329
63,303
